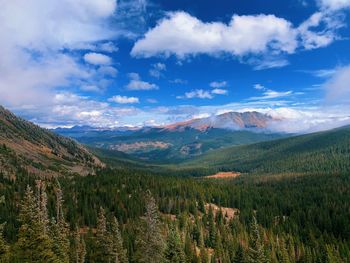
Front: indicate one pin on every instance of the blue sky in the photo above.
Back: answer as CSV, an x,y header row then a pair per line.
x,y
110,63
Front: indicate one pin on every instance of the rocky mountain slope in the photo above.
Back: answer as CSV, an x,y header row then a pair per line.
x,y
25,146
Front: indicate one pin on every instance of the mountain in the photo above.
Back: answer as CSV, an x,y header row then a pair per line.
x,y
179,141
24,145
229,121
321,152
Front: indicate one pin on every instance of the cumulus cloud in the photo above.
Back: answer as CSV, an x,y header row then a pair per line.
x,y
259,87
334,5
198,93
108,71
137,84
157,69
33,37
337,88
266,37
182,34
124,99
218,84
312,39
97,59
219,91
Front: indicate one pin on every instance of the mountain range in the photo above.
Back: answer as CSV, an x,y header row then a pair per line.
x,y
24,145
182,140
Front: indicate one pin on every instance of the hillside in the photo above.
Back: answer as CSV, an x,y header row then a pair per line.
x,y
24,145
322,152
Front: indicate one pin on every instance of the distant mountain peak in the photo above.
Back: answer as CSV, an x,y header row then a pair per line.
x,y
229,120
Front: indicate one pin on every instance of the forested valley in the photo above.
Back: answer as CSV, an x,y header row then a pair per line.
x,y
124,215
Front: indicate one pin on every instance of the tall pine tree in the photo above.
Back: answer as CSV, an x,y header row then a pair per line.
x,y
150,243
256,250
34,243
174,252
119,254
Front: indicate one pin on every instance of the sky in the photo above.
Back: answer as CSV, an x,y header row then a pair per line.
x,y
108,63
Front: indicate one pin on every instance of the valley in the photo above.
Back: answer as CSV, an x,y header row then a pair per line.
x,y
285,197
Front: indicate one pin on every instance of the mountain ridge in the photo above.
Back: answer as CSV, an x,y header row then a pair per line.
x,y
40,151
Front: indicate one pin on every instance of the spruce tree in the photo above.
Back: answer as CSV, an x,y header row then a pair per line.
x,y
239,256
4,247
212,228
34,243
77,249
150,243
59,230
104,246
256,250
174,252
119,254
204,257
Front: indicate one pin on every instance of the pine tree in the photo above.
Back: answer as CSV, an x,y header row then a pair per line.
x,y
239,256
104,246
283,253
150,241
77,249
34,243
190,250
256,250
212,228
4,247
204,257
119,254
59,230
174,252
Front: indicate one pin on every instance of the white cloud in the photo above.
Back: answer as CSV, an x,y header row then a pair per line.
x,y
320,73
219,91
109,47
157,69
90,88
316,39
178,81
198,93
152,101
259,87
218,84
182,34
97,59
334,4
33,35
272,94
337,88
268,62
124,99
264,38
108,70
137,84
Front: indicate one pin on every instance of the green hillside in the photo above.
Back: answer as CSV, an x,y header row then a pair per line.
x,y
323,152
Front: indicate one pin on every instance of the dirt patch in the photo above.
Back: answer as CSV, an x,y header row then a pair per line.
x,y
224,175
227,212
142,145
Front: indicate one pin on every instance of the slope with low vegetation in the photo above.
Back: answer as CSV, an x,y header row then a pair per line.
x,y
26,146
